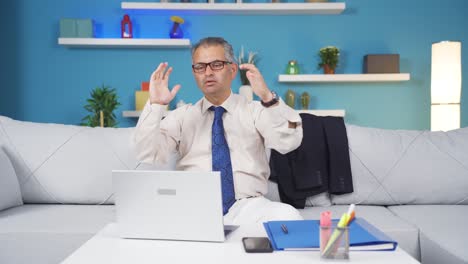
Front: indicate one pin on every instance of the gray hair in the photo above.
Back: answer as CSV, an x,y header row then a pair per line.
x,y
215,41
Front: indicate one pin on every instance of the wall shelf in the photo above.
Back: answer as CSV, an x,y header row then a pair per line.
x,y
130,113
124,42
241,8
338,112
386,77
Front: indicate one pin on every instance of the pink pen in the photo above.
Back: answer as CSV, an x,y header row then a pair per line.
x,y
325,229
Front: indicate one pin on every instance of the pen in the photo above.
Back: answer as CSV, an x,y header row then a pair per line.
x,y
284,228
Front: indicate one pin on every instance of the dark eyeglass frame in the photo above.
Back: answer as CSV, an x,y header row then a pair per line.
x,y
213,68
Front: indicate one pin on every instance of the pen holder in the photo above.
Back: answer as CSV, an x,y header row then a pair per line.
x,y
334,242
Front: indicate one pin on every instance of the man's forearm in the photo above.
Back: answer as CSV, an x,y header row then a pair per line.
x,y
281,127
146,133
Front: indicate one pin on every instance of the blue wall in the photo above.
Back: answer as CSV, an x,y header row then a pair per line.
x,y
44,82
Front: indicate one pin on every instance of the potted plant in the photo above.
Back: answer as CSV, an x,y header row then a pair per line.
x,y
101,106
245,89
329,57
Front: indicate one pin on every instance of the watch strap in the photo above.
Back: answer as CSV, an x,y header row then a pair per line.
x,y
272,101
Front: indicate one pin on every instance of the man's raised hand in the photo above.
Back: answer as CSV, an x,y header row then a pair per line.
x,y
257,82
158,88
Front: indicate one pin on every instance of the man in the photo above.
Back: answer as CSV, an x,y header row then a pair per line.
x,y
221,132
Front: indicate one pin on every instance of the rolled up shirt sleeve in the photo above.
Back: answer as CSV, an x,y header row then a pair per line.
x,y
273,125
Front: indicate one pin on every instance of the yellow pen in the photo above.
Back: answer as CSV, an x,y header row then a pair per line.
x,y
336,234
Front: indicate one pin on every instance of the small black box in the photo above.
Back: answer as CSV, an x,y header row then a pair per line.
x,y
381,63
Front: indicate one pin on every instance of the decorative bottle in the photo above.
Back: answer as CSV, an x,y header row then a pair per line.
x,y
126,27
305,100
290,98
176,31
292,67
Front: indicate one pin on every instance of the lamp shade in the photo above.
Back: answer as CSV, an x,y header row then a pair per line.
x,y
446,72
445,117
445,85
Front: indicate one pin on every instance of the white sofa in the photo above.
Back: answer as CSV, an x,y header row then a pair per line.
x,y
55,188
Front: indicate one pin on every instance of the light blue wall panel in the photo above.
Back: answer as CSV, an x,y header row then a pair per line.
x,y
44,82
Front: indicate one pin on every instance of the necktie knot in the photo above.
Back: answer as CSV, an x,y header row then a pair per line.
x,y
218,110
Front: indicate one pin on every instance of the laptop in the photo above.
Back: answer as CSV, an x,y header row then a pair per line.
x,y
173,205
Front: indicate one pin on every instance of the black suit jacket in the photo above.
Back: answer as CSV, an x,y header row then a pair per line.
x,y
321,163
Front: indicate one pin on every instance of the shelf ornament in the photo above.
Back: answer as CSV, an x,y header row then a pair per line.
x,y
126,27
176,31
329,57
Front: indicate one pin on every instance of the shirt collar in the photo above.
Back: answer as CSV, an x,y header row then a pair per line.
x,y
228,104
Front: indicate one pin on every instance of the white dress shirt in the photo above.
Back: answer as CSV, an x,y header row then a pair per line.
x,y
249,129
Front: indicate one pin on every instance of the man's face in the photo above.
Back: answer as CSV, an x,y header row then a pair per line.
x,y
213,82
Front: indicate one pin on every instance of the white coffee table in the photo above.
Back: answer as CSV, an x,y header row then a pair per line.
x,y
107,247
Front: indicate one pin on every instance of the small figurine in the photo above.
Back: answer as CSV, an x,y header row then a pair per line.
x,y
126,27
305,100
292,67
176,31
290,98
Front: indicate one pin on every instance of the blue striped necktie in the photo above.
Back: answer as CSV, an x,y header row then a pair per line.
x,y
221,159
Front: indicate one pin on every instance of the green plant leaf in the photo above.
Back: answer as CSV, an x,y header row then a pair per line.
x,y
103,99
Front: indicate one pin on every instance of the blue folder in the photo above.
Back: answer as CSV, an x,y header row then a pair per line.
x,y
305,235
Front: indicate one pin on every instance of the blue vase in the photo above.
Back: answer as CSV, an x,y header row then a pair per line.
x,y
176,31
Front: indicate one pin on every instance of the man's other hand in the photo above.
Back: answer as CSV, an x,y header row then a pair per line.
x,y
257,82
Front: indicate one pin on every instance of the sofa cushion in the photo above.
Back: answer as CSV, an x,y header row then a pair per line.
x,y
10,194
391,167
49,233
321,199
65,163
405,234
443,232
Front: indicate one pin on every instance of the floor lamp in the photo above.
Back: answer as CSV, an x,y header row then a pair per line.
x,y
445,85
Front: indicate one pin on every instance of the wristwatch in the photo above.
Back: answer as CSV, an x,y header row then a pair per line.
x,y
272,101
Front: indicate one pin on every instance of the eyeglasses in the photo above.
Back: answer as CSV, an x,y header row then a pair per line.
x,y
216,65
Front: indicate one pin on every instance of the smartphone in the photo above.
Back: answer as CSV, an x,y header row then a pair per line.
x,y
257,245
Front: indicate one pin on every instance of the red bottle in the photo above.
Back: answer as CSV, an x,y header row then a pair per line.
x,y
126,27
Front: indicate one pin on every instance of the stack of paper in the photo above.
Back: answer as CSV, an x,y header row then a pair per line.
x,y
304,235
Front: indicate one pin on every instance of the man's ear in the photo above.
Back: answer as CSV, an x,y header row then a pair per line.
x,y
234,69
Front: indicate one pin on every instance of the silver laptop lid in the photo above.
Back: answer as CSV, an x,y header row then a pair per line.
x,y
177,205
